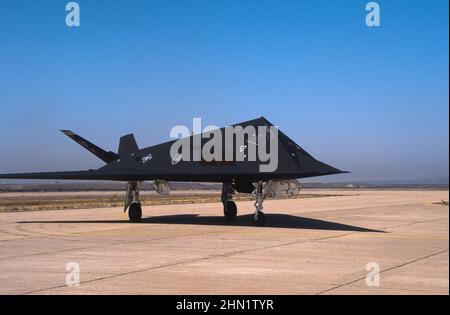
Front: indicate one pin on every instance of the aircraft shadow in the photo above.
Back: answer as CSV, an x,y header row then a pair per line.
x,y
272,221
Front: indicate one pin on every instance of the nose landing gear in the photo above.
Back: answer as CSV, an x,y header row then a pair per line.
x,y
230,208
259,218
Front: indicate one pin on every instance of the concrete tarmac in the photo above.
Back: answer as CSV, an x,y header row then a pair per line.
x,y
329,245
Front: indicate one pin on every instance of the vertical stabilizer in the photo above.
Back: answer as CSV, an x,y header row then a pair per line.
x,y
127,145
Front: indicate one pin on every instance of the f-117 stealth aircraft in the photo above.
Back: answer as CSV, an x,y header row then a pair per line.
x,y
251,157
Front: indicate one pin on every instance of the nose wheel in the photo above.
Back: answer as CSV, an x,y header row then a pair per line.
x,y
259,218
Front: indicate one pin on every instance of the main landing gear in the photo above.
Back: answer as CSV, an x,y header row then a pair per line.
x,y
133,203
135,212
230,208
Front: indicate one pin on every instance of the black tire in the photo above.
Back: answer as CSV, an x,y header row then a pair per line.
x,y
260,220
135,212
230,210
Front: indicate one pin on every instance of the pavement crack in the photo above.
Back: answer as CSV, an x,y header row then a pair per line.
x,y
383,271
228,254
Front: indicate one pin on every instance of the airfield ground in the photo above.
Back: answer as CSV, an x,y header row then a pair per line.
x,y
308,246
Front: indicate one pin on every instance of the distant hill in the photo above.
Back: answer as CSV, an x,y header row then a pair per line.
x,y
97,186
54,186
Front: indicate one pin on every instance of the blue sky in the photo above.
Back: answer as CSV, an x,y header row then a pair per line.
x,y
370,100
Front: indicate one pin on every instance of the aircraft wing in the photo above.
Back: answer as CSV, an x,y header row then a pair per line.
x,y
82,175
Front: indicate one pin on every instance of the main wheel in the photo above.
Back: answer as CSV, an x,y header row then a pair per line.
x,y
135,212
260,219
230,210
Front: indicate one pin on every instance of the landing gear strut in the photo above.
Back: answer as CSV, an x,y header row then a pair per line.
x,y
229,207
132,201
259,218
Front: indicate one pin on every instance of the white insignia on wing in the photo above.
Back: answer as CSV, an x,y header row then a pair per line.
x,y
147,158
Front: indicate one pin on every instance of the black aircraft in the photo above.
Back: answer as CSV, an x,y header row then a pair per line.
x,y
239,170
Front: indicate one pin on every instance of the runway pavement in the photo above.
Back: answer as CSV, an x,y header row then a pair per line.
x,y
329,245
